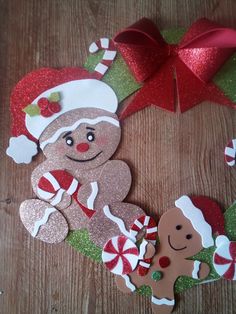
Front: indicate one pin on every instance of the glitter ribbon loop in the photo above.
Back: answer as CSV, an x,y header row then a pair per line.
x,y
202,51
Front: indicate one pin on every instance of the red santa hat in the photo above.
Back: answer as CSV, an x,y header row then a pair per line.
x,y
205,216
45,94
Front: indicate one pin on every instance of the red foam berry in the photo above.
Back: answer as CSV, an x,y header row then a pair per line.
x,y
43,103
164,261
54,107
46,112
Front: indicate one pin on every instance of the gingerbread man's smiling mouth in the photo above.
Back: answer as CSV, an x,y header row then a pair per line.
x,y
84,160
174,247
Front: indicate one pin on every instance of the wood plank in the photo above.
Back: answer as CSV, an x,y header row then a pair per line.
x,y
169,155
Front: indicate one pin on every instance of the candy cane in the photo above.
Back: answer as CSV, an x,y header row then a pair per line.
x,y
149,224
230,153
54,183
108,56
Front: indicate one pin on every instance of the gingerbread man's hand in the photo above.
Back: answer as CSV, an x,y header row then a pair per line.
x,y
203,271
65,202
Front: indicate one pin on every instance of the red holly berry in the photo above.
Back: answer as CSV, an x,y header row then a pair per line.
x,y
43,103
47,108
54,107
46,112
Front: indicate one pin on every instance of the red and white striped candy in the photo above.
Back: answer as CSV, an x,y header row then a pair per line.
x,y
151,235
224,260
54,184
149,224
230,153
108,57
120,255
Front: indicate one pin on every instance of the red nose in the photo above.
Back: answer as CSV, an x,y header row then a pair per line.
x,y
82,147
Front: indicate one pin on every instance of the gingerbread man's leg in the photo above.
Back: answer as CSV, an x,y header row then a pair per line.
x,y
43,221
162,297
112,220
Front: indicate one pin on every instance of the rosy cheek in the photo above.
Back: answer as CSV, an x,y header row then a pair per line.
x,y
61,148
102,141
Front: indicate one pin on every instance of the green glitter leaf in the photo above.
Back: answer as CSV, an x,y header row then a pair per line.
x,y
183,283
230,222
144,290
32,110
54,97
118,76
80,241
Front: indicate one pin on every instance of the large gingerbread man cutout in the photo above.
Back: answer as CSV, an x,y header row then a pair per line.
x,y
183,232
71,114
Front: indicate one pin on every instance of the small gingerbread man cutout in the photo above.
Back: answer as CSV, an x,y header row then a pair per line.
x,y
183,232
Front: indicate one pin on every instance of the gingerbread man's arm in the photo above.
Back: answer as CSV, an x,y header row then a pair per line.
x,y
194,269
112,185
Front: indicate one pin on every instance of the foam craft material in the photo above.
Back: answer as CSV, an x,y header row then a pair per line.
x,y
183,232
71,115
230,153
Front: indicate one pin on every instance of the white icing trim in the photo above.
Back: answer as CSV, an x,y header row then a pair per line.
x,y
42,221
52,180
104,42
73,187
151,230
197,219
196,268
57,198
133,233
93,195
146,220
109,55
146,265
44,195
129,283
57,134
101,68
163,301
118,221
142,249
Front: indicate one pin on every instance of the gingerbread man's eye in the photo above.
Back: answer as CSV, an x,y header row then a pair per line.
x,y
189,236
90,136
69,141
178,227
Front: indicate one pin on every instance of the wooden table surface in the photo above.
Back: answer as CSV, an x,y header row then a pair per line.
x,y
169,155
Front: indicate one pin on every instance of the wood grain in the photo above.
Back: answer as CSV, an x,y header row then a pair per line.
x,y
169,155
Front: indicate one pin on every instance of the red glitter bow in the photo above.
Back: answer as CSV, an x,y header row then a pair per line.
x,y
180,72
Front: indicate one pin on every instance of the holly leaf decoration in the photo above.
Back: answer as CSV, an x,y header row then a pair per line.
x,y
32,110
54,97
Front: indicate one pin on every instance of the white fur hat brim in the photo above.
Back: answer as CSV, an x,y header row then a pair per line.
x,y
86,93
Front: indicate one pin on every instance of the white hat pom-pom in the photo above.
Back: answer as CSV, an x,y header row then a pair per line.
x,y
21,149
